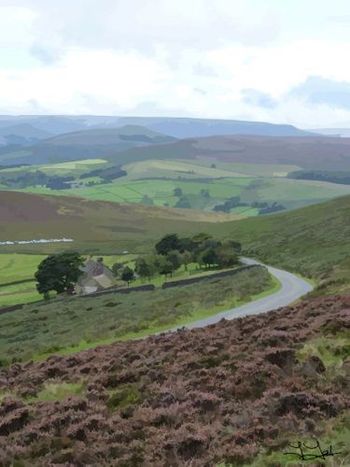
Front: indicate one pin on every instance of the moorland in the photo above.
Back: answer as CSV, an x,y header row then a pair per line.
x,y
235,393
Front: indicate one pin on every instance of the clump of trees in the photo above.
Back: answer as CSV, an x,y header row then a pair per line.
x,y
59,273
172,252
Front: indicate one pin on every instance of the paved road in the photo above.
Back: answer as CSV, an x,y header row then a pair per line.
x,y
292,288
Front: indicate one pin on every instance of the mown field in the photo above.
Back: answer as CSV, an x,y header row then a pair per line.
x,y
72,324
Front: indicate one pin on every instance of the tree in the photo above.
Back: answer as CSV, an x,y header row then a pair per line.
x,y
226,257
127,275
167,243
59,272
175,258
187,258
208,257
183,203
205,193
164,266
177,192
145,267
117,268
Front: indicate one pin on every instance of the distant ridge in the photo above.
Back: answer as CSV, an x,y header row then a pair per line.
x,y
172,126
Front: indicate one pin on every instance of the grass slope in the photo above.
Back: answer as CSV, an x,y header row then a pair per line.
x,y
73,324
314,241
94,226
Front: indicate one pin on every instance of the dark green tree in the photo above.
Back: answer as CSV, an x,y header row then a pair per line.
x,y
117,268
59,272
183,203
175,258
226,257
167,243
145,267
177,192
127,275
164,266
208,257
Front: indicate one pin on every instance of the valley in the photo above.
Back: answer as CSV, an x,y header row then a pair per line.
x,y
207,201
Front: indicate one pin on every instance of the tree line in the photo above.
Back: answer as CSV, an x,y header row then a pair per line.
x,y
172,252
60,272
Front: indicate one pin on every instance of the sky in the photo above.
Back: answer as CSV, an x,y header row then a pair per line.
x,y
282,61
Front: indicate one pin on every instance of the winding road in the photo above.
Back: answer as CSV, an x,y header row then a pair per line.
x,y
292,288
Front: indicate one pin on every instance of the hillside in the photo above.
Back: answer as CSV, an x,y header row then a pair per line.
x,y
309,152
236,393
90,143
314,241
21,134
94,225
177,127
197,127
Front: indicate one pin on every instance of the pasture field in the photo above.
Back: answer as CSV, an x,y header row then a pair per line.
x,y
160,191
73,324
18,267
64,168
17,292
204,184
175,169
153,182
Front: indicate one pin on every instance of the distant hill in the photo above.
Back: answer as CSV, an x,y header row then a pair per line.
x,y
95,225
21,134
176,127
308,152
84,144
341,132
196,127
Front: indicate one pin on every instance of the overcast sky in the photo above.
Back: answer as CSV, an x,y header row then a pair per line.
x,y
273,60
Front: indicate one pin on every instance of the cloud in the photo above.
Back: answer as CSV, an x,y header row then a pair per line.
x,y
258,98
318,90
245,59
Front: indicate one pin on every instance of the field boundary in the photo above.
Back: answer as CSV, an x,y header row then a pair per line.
x,y
140,288
215,275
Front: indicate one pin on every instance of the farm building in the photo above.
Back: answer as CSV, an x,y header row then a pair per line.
x,y
97,276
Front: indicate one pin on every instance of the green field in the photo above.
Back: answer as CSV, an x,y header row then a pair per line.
x,y
203,186
73,324
22,267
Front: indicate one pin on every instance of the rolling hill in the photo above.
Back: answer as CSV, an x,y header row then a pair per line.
x,y
177,127
292,240
21,134
86,144
94,225
309,152
314,241
198,127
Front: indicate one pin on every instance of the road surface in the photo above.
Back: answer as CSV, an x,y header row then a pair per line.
x,y
292,288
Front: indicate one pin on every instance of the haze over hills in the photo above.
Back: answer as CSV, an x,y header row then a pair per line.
x,y
306,152
21,134
83,144
340,132
176,127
